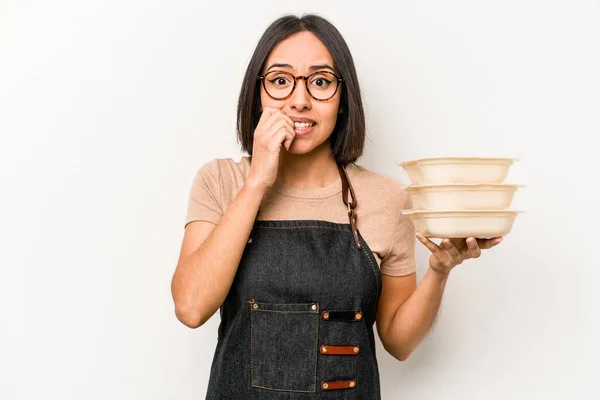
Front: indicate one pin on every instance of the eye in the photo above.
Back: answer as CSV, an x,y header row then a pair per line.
x,y
280,81
320,81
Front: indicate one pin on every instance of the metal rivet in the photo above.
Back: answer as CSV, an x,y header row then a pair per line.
x,y
326,315
324,349
325,386
356,349
351,384
255,306
314,307
358,316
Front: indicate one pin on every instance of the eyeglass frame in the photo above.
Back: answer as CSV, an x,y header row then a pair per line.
x,y
296,78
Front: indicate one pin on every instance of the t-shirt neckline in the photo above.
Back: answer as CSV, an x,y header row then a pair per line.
x,y
330,190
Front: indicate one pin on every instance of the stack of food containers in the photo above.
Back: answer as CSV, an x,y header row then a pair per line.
x,y
459,197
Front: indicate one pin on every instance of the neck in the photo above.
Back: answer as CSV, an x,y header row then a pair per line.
x,y
313,170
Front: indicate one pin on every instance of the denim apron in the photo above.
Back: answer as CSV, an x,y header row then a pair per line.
x,y
298,320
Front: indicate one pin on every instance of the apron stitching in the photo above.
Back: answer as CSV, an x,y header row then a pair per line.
x,y
316,351
287,312
284,390
376,281
251,353
300,227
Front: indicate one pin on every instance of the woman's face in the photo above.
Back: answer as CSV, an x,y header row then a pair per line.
x,y
301,55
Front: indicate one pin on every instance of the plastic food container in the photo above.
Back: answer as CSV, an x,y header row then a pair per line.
x,y
444,170
462,196
482,224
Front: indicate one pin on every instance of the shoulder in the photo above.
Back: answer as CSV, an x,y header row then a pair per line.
x,y
224,170
389,233
377,188
222,179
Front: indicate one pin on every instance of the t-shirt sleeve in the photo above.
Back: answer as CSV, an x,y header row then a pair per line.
x,y
204,202
400,260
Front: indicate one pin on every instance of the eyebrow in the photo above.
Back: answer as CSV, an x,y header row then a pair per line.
x,y
311,68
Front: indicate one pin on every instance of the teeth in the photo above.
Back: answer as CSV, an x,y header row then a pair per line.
x,y
303,125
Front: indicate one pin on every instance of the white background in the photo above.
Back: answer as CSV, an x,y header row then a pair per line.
x,y
108,108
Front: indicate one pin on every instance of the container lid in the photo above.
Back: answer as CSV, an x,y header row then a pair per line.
x,y
459,213
460,160
464,185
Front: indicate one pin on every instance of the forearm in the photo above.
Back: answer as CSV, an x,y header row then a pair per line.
x,y
415,317
202,280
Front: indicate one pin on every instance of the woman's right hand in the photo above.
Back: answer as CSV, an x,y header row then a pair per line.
x,y
274,129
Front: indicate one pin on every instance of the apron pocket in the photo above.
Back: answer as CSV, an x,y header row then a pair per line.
x,y
283,346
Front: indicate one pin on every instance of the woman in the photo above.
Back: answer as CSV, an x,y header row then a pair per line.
x,y
301,249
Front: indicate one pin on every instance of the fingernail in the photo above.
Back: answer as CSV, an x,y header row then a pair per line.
x,y
419,236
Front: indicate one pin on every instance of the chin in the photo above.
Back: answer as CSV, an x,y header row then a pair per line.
x,y
308,145
296,150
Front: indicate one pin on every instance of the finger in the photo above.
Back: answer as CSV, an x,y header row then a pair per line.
x,y
274,116
267,112
279,119
489,243
459,243
456,254
265,121
428,243
280,124
473,249
279,138
282,116
288,119
289,137
270,110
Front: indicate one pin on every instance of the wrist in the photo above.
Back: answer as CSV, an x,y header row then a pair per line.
x,y
440,274
255,186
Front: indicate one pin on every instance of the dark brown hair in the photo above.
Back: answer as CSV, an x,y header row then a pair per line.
x,y
348,136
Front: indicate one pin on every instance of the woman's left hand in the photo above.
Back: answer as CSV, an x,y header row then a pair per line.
x,y
452,252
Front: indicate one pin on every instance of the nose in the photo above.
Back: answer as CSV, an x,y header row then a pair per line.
x,y
300,99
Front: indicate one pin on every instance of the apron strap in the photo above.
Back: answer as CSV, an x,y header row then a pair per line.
x,y
352,214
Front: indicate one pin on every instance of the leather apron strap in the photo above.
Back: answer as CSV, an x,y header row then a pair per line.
x,y
352,213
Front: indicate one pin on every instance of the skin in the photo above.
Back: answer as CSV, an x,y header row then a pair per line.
x,y
210,253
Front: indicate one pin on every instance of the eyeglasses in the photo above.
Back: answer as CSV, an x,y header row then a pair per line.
x,y
321,85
